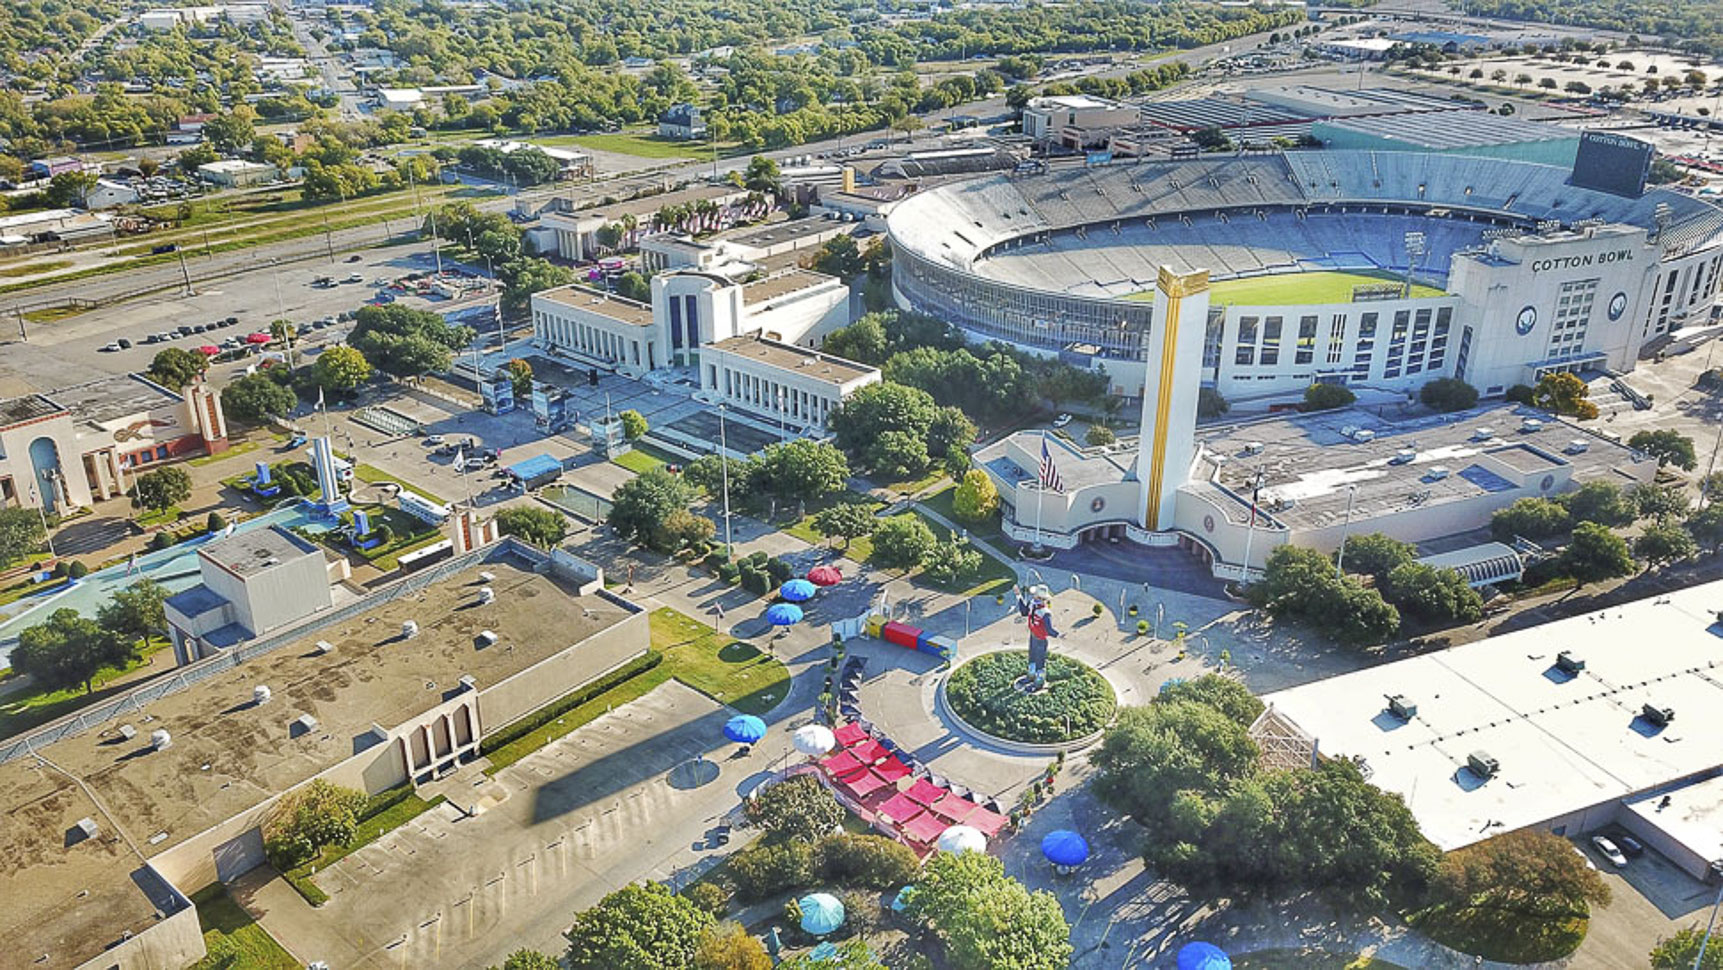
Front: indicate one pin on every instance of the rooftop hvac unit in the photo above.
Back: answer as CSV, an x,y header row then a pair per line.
x,y
1567,663
1253,447
1483,434
469,682
1483,764
487,637
487,576
1364,435
127,732
1402,708
87,826
1437,473
1404,456
486,595
324,646
1577,445
1530,424
409,629
260,694
303,724
1660,716
160,739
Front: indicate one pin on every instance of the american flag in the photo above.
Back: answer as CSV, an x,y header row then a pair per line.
x,y
1049,471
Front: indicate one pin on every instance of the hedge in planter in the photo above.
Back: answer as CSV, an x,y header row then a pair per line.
x,y
984,693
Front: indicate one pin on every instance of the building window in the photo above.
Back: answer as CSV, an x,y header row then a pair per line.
x,y
1306,340
1245,355
1271,341
1336,337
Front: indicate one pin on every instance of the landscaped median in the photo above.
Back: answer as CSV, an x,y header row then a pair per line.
x,y
728,670
383,813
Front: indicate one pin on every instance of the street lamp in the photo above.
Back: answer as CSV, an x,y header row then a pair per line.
x,y
1340,560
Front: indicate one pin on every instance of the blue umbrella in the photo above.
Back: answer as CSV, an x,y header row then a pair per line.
x,y
825,951
797,591
900,902
783,614
821,913
1065,848
745,729
1203,956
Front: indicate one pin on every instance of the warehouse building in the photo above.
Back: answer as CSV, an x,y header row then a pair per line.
x,y
780,382
1599,719
108,827
252,583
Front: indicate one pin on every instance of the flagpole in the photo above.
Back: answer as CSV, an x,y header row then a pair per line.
x,y
1040,491
1250,531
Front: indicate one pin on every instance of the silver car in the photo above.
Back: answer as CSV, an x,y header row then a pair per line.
x,y
1608,850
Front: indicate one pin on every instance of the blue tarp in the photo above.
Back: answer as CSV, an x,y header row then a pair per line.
x,y
536,467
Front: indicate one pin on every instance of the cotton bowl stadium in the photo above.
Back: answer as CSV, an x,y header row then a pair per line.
x,y
1374,268
1259,275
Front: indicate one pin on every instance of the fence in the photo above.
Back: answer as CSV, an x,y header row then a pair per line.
x,y
134,701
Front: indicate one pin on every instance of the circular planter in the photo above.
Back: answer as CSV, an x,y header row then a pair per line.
x,y
984,696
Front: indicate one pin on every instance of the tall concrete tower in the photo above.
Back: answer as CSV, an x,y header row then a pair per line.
x,y
1173,356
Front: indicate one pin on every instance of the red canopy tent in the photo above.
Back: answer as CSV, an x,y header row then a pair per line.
x,y
841,763
988,822
899,809
849,734
953,809
869,752
865,783
925,792
891,769
925,827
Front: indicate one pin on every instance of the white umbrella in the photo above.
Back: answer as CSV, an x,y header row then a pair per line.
x,y
962,838
814,739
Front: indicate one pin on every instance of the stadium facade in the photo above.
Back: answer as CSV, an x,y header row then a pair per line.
x,y
1379,270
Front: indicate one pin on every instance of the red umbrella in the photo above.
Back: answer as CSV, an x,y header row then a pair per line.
x,y
210,349
825,576
258,338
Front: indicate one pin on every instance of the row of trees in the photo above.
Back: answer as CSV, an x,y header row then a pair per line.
x,y
70,650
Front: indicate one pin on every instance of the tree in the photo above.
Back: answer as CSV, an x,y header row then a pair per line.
x,y
1659,502
1099,435
880,409
541,527
1600,502
1437,596
519,373
1374,554
852,954
528,275
1660,544
1527,875
404,342
1211,404
645,926
848,521
1669,447
230,131
804,470
69,188
1707,525
902,542
976,500
950,430
1224,694
174,368
1595,553
1530,518
136,612
1679,952
641,503
529,960
634,425
1448,394
683,529
1327,397
1300,584
950,561
256,398
840,257
21,534
1151,753
341,369
631,285
988,920
762,175
162,488
306,820
869,861
862,341
1564,394
798,808
727,946
68,650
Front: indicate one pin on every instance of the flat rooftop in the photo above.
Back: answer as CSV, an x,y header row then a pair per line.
x,y
799,360
255,551
773,287
1439,130
1078,467
602,304
1693,817
1564,742
229,755
27,408
111,398
1309,463
778,233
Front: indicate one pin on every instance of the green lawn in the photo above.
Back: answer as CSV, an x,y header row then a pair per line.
x,y
1499,934
25,587
644,458
1322,286
243,447
30,269
638,144
724,668
993,575
371,828
803,528
26,709
1307,959
158,516
372,475
942,502
234,939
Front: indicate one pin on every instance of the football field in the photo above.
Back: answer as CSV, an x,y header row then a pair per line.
x,y
1285,289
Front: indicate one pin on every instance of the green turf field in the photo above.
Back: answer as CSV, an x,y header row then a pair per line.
x,y
1322,286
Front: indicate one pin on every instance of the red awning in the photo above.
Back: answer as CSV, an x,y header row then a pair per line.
x,y
987,821
899,809
891,769
850,734
925,827
868,752
953,809
841,763
865,784
925,792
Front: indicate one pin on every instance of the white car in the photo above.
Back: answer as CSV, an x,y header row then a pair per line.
x,y
1061,421
1608,850
111,348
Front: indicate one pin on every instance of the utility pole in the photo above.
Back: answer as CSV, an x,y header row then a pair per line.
x,y
328,242
1340,560
185,274
23,334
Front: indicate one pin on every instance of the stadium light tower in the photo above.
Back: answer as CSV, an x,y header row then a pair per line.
x,y
1414,249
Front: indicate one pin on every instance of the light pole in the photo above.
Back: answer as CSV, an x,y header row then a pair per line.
x,y
1250,531
1414,249
1340,560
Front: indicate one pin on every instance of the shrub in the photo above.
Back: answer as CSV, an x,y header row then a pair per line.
x,y
729,572
77,570
799,808
778,570
60,569
1520,394
709,897
768,867
161,540
215,523
569,702
984,693
868,861
1326,397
